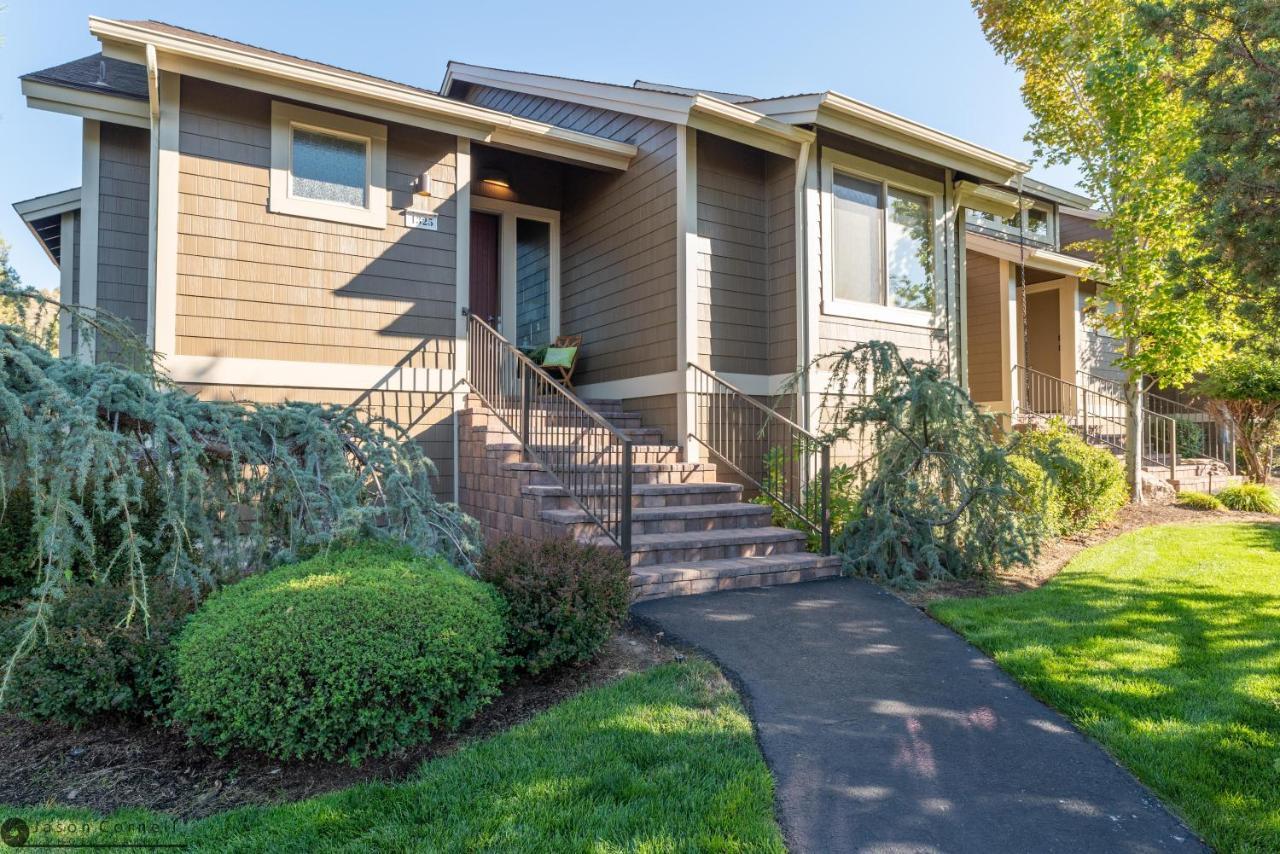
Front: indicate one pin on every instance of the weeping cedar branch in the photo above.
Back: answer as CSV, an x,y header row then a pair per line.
x,y
189,492
935,480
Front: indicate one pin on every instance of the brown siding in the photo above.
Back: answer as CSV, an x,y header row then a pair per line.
x,y
657,411
256,284
123,198
780,175
984,334
618,240
733,256
427,417
1072,229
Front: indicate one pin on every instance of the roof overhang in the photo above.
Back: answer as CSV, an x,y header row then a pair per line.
x,y
280,75
43,216
1053,194
859,120
116,109
990,198
698,110
1040,259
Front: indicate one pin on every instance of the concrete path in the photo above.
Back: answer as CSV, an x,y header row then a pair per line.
x,y
887,732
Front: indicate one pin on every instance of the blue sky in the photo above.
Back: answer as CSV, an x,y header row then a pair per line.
x,y
925,59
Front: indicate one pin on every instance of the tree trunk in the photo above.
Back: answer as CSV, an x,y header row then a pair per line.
x,y
1133,437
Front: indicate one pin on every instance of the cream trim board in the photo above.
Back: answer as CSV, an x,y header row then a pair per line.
x,y
66,276
287,118
811,286
1041,259
834,161
223,370
48,205
508,213
650,385
686,282
163,303
89,105
90,188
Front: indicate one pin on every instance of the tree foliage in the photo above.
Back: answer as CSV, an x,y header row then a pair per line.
x,y
1228,67
1096,82
227,487
936,482
1245,388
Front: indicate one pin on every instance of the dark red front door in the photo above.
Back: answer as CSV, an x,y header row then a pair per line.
x,y
485,299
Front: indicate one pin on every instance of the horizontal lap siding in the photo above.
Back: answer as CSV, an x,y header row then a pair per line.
x,y
261,285
984,336
618,240
733,256
780,175
123,203
428,418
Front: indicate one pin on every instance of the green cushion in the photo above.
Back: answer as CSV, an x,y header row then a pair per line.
x,y
559,357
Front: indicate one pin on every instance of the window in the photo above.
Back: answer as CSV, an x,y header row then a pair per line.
x,y
882,236
1037,222
327,166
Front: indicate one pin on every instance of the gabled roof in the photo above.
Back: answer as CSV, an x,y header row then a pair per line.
x,y
202,55
684,90
97,73
43,215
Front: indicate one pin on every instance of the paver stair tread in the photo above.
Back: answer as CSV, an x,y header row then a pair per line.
x,y
662,573
708,539
689,511
640,489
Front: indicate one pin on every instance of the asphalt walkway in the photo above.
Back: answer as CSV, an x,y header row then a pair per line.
x,y
887,732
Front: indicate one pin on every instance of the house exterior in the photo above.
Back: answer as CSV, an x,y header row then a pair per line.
x,y
282,229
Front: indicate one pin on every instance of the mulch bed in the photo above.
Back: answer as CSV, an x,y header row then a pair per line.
x,y
118,766
1058,553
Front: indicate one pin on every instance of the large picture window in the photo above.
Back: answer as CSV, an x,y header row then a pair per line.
x,y
882,244
327,166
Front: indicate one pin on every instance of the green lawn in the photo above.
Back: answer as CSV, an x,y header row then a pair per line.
x,y
1163,644
661,761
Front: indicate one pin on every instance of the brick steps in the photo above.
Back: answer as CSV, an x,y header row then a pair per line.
x,y
690,532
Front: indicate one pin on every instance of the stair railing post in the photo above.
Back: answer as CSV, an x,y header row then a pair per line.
x,y
524,406
826,499
1173,450
625,521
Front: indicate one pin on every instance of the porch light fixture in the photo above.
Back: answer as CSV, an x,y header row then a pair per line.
x,y
496,178
422,184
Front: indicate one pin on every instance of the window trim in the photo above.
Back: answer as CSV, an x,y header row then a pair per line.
x,y
285,117
834,161
1012,234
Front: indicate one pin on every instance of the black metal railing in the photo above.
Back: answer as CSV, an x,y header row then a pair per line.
x,y
1100,418
586,456
778,458
1218,443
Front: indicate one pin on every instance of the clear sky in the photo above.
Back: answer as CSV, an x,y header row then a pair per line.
x,y
924,59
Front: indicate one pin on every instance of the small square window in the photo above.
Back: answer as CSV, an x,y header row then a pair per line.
x,y
327,166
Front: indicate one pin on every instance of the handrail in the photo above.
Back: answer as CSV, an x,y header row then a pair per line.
x,y
558,432
1087,410
1216,447
775,455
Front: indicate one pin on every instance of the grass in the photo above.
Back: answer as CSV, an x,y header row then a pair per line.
x,y
661,761
1163,644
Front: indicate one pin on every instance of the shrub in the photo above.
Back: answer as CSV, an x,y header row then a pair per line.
x,y
353,653
1250,498
1090,481
563,598
1190,436
17,547
1200,501
1245,387
844,505
1035,495
93,667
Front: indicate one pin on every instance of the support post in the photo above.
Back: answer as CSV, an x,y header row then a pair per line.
x,y
1173,451
524,407
826,499
626,501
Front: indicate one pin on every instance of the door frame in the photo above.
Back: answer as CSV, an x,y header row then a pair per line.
x,y
508,213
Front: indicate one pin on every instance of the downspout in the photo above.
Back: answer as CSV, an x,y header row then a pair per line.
x,y
802,282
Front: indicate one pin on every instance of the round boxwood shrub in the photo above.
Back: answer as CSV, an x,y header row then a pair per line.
x,y
1200,501
1250,498
356,652
1035,494
90,667
1090,481
563,598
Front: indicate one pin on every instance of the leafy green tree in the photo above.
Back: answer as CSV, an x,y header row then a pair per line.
x,y
1228,65
1245,387
37,319
1096,83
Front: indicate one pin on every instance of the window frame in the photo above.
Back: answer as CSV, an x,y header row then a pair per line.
x,y
508,212
886,177
1011,233
285,118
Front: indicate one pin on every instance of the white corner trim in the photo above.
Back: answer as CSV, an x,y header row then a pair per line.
x,y
651,385
66,274
90,188
162,313
285,118
461,290
224,370
686,281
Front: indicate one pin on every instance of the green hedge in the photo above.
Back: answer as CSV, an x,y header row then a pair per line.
x,y
353,653
1250,498
1088,481
1200,501
89,667
1035,494
564,598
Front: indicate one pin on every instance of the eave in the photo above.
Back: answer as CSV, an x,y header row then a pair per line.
x,y
1041,259
47,207
117,109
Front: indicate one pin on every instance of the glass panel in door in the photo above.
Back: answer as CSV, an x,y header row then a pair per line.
x,y
533,283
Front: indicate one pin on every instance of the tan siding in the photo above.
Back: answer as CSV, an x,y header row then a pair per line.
x,y
780,175
733,256
256,284
123,194
984,334
427,417
618,241
657,411
1072,229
